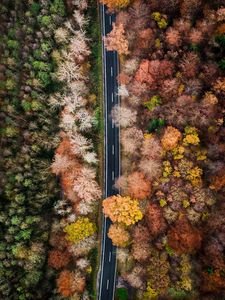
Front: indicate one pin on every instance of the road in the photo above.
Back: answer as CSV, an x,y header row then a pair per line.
x,y
107,275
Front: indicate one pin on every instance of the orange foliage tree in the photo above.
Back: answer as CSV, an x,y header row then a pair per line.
x,y
135,185
119,235
65,283
116,40
70,282
58,259
123,210
170,138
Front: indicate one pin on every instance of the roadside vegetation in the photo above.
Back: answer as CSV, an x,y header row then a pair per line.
x,y
50,136
168,222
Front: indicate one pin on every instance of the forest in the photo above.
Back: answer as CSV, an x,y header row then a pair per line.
x,y
50,139
168,221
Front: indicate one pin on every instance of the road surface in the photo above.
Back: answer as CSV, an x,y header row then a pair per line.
x,y
107,275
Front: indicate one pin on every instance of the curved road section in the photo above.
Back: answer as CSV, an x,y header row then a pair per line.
x,y
107,273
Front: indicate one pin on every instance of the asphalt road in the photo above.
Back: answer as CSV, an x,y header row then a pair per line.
x,y
107,274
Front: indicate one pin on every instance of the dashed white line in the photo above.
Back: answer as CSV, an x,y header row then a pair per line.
x,y
107,284
112,97
110,20
113,149
113,175
110,254
111,71
113,125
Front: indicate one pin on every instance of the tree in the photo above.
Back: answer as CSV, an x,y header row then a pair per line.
x,y
190,64
123,116
131,139
173,37
119,235
151,71
141,233
79,230
135,185
140,251
183,237
155,220
70,282
61,164
65,283
135,277
116,40
123,210
86,186
58,259
115,4
151,148
196,36
151,168
170,138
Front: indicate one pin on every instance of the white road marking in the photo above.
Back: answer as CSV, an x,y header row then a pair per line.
x,y
110,20
113,175
113,124
111,71
113,149
107,285
112,97
110,254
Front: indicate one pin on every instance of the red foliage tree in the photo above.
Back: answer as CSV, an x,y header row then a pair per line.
x,y
183,237
156,222
151,71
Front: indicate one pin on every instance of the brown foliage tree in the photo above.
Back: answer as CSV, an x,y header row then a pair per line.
x,y
151,148
140,233
190,64
183,237
141,251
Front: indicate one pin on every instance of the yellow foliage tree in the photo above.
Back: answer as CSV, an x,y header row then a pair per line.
x,y
115,4
79,230
119,235
123,210
191,136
